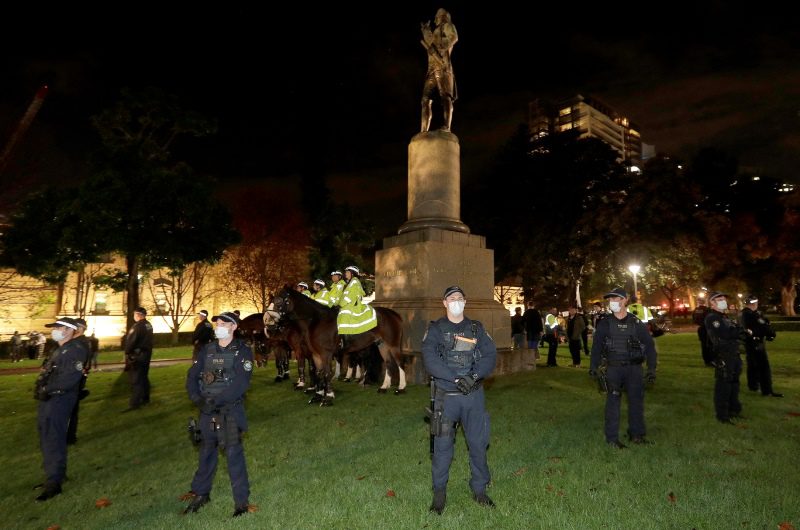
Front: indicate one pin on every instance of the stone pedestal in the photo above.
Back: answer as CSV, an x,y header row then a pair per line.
x,y
434,250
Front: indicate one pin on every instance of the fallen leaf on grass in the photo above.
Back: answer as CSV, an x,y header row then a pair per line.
x,y
252,508
671,497
520,471
102,502
731,452
794,415
560,493
362,477
390,493
188,496
785,526
549,487
54,527
554,458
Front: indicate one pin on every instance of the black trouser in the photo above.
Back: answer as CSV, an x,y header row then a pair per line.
x,y
138,377
52,425
726,387
552,342
575,351
628,378
759,375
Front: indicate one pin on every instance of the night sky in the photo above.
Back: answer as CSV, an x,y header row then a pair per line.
x,y
337,89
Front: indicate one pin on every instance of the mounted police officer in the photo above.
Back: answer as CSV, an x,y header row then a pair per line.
x,y
203,333
57,391
459,354
321,293
138,351
216,383
725,335
759,375
621,344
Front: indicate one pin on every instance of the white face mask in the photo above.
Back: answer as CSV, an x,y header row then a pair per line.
x,y
221,333
456,307
57,335
722,305
615,306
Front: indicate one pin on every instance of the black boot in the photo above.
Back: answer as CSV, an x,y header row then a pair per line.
x,y
483,499
241,509
198,502
51,489
439,500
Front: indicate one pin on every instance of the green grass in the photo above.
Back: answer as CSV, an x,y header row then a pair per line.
x,y
332,468
107,357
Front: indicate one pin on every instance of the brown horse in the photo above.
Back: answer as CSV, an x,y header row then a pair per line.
x,y
284,337
320,335
252,331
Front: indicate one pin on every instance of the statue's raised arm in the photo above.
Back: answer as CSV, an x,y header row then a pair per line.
x,y
438,42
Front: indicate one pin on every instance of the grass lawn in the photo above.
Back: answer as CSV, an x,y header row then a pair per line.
x,y
107,357
364,463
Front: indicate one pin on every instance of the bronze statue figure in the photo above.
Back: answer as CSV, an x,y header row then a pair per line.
x,y
439,43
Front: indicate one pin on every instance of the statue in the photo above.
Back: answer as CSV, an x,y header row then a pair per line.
x,y
439,43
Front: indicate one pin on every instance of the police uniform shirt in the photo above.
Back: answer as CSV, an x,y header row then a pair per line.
x,y
755,322
140,336
435,363
723,333
603,330
242,372
67,363
203,332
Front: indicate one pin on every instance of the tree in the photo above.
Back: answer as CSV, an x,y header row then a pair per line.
x,y
274,248
140,203
178,293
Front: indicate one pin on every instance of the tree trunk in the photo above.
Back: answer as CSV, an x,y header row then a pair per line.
x,y
175,336
788,296
132,288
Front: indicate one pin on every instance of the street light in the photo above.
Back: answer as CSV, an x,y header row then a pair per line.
x,y
635,270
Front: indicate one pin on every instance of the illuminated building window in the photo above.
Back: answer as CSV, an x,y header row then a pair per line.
x,y
565,127
565,111
100,299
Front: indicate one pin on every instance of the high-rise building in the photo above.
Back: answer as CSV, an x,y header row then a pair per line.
x,y
587,117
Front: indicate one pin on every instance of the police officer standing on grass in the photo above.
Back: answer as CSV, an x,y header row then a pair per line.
x,y
203,333
57,391
758,330
216,383
80,335
459,354
621,344
725,335
138,351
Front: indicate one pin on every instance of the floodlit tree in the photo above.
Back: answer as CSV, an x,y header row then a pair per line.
x,y
178,293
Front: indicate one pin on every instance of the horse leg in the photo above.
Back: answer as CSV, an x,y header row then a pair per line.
x,y
301,373
390,356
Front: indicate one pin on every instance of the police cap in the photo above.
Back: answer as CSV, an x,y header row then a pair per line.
x,y
751,299
715,294
64,321
228,316
616,291
453,289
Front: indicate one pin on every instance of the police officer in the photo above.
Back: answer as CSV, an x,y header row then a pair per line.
x,y
57,392
216,383
302,287
551,336
725,335
203,333
621,344
758,331
459,354
80,335
337,288
321,293
138,350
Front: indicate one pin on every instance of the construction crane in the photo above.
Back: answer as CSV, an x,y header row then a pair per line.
x,y
22,126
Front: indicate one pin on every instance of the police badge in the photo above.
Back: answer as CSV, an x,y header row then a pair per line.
x,y
248,366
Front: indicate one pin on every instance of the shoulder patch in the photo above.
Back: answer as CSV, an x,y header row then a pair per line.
x,y
760,320
248,366
716,323
79,366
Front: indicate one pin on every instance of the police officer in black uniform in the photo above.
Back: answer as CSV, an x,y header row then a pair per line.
x,y
138,351
621,344
725,335
203,333
216,383
459,354
80,335
57,392
758,331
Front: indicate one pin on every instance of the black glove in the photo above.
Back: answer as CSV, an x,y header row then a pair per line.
x,y
650,377
83,394
467,383
592,373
